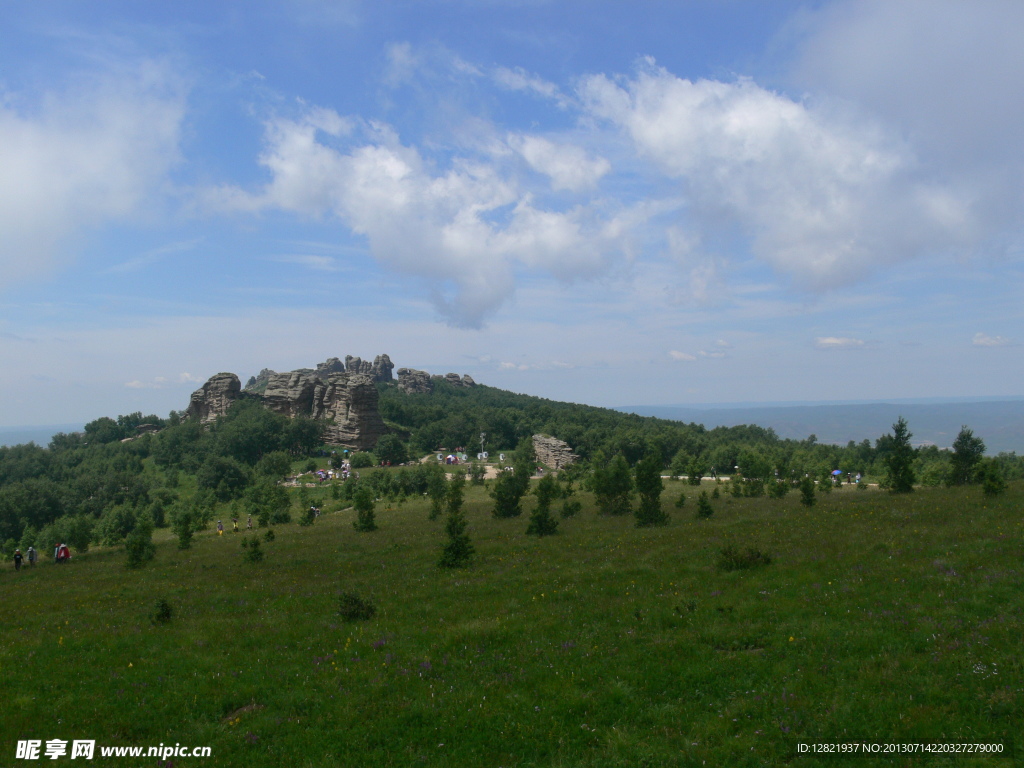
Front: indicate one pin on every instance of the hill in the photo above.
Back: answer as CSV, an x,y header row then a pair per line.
x,y
878,620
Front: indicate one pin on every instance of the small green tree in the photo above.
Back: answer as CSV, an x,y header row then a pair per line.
x,y
696,470
181,525
704,508
252,550
649,486
992,480
437,492
508,491
455,493
807,497
900,461
968,451
612,483
477,473
458,551
542,523
364,504
139,543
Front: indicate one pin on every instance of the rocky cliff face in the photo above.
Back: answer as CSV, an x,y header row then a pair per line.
x,y
344,393
214,397
350,398
553,452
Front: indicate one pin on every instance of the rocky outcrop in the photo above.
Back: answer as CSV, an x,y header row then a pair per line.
x,y
291,394
379,370
214,398
351,402
259,381
455,380
413,382
329,366
344,394
348,400
553,452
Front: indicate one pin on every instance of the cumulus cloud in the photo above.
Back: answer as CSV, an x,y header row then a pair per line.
x,y
464,229
837,342
984,340
819,193
76,159
568,166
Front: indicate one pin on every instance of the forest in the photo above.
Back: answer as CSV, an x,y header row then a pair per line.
x,y
93,487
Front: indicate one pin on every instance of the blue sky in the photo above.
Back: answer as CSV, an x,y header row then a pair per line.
x,y
602,202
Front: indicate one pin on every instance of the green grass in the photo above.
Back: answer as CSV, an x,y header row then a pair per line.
x,y
879,618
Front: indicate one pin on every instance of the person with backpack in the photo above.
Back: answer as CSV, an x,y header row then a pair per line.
x,y
32,554
17,559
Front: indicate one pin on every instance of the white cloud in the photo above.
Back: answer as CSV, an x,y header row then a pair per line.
x,y
681,356
464,230
568,166
77,159
821,194
518,79
837,342
984,340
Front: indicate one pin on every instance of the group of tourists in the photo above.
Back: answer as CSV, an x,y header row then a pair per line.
x,y
61,554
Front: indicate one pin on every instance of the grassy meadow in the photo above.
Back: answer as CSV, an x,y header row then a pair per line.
x,y
880,618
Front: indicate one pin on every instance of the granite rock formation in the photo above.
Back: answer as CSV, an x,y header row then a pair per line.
x,y
412,381
344,394
214,398
455,380
553,452
349,399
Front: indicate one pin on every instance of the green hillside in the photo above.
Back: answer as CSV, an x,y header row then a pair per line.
x,y
879,618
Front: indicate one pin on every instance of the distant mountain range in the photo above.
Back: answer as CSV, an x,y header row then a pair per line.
x,y
1000,423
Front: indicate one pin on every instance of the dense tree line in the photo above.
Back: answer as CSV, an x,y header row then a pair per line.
x,y
95,486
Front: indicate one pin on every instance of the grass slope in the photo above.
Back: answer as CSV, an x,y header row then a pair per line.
x,y
881,618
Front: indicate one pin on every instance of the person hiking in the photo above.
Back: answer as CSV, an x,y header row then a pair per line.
x,y
63,553
32,555
56,553
248,523
17,559
234,524
220,528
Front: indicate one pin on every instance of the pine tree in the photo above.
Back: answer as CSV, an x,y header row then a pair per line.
x,y
139,543
613,486
704,508
542,523
807,497
458,552
364,504
181,525
647,476
968,451
900,461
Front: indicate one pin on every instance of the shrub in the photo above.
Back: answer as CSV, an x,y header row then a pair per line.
x,y
571,507
307,517
732,559
992,481
162,612
309,466
362,460
681,501
354,608
269,535
778,489
252,551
